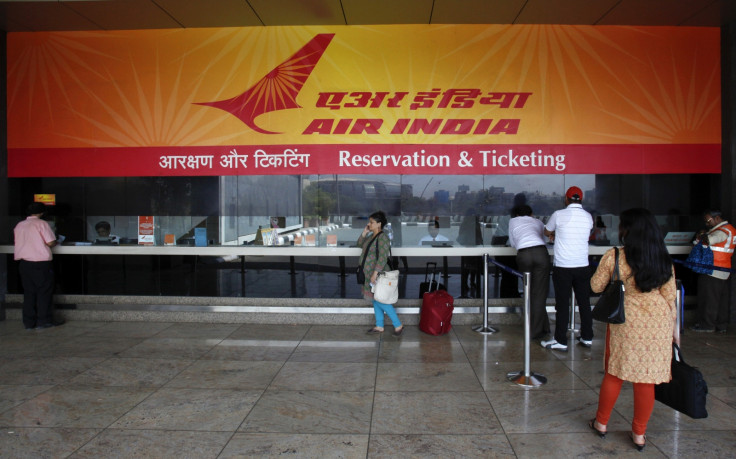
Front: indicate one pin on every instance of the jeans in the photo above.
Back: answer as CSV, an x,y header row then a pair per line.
x,y
380,308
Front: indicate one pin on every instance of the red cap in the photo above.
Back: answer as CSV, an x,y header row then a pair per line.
x,y
574,193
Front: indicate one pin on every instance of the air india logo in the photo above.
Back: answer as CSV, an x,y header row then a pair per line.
x,y
279,88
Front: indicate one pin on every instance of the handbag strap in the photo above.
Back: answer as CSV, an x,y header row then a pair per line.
x,y
365,254
616,275
388,259
677,353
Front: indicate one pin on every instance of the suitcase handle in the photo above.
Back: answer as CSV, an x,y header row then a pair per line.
x,y
427,270
434,282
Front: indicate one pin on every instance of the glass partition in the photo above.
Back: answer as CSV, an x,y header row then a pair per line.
x,y
316,210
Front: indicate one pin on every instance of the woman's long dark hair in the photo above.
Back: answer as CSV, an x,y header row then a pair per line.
x,y
644,248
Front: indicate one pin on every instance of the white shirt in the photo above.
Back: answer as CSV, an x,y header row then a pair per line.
x,y
571,226
525,232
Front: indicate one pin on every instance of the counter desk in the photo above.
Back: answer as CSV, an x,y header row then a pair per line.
x,y
300,251
132,271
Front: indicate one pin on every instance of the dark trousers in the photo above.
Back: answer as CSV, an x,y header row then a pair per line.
x,y
37,278
509,287
712,302
577,280
535,260
471,269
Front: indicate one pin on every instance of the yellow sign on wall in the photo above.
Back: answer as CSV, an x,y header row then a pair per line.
x,y
47,199
408,99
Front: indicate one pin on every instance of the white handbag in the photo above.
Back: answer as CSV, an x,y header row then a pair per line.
x,y
386,288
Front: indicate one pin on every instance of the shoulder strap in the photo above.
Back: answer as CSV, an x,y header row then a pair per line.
x,y
389,263
365,255
615,271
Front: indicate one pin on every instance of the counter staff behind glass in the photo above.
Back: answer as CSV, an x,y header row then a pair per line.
x,y
103,229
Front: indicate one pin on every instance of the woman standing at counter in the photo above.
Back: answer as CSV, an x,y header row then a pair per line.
x,y
640,349
376,247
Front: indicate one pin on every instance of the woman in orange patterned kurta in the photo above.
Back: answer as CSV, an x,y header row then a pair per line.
x,y
639,350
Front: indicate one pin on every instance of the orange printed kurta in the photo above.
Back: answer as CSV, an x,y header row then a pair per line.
x,y
640,348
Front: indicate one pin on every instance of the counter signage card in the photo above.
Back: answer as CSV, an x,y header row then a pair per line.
x,y
679,237
298,240
332,240
310,240
169,239
269,236
200,237
145,230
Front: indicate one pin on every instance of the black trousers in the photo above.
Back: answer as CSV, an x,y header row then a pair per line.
x,y
713,302
577,280
37,278
509,286
535,260
471,269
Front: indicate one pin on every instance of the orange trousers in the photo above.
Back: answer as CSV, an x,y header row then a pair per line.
x,y
610,389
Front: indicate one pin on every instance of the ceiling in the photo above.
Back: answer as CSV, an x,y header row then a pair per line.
x,y
38,15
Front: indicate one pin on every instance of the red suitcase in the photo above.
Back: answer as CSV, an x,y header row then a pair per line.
x,y
436,313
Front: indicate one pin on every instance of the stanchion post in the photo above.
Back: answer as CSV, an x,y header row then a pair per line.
x,y
485,329
526,378
571,322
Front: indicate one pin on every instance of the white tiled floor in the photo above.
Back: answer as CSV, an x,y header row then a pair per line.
x,y
156,390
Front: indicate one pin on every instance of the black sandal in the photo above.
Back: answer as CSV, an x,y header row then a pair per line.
x,y
374,331
639,446
601,433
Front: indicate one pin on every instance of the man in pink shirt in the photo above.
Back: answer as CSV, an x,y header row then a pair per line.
x,y
33,241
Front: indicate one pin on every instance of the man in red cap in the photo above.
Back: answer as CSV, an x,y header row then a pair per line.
x,y
569,229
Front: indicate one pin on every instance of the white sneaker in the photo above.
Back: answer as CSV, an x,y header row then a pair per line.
x,y
553,344
585,342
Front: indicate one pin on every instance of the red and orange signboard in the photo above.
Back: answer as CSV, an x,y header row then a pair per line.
x,y
410,99
46,199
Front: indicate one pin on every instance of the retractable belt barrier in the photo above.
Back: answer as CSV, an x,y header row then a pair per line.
x,y
525,377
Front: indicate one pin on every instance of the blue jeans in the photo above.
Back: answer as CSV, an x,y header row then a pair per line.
x,y
380,308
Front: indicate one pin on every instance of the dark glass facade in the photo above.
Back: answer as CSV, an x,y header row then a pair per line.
x,y
473,210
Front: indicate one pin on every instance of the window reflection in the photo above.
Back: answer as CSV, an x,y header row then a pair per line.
x,y
466,210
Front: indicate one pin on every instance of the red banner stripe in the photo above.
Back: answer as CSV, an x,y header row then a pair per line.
x,y
406,159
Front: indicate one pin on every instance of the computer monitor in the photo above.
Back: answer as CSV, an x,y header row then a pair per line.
x,y
277,222
438,243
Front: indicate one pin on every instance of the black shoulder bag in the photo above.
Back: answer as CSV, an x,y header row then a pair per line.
x,y
687,391
610,305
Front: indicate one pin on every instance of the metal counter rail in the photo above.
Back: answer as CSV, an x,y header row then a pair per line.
x,y
321,251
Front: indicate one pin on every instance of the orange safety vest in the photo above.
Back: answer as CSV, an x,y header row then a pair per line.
x,y
723,250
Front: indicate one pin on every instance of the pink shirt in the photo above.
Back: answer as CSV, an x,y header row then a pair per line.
x,y
31,236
